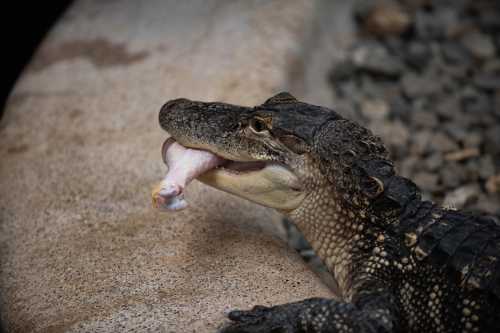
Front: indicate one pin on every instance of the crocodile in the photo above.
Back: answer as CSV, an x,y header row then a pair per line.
x,y
402,264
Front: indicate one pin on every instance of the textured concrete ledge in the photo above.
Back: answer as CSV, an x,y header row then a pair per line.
x,y
81,249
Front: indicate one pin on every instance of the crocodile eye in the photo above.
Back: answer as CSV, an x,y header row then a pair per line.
x,y
258,125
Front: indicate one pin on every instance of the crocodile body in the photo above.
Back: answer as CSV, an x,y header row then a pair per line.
x,y
402,264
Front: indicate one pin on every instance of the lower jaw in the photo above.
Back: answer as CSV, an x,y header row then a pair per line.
x,y
271,185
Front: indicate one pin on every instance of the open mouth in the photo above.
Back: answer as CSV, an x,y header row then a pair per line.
x,y
242,167
201,161
267,183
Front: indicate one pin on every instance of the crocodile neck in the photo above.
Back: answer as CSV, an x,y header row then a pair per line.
x,y
343,230
332,230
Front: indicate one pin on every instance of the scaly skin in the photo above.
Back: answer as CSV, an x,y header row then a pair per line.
x,y
402,264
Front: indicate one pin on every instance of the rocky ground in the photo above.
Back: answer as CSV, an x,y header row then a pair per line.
x,y
425,76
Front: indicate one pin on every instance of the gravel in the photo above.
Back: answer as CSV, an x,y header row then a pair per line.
x,y
480,45
373,58
425,76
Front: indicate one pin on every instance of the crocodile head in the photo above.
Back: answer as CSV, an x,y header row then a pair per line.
x,y
279,153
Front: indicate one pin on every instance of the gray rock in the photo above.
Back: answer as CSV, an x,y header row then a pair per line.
x,y
442,143
375,109
449,18
362,8
456,131
472,140
452,175
480,45
369,88
395,45
415,86
497,41
456,54
478,105
471,168
489,20
448,107
496,103
400,108
492,140
427,181
491,66
487,81
418,55
461,196
408,166
373,88
454,76
343,70
348,89
391,91
468,91
488,204
421,142
425,119
345,107
373,58
434,161
428,27
394,133
486,167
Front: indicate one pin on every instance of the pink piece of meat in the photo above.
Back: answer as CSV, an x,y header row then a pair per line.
x,y
184,165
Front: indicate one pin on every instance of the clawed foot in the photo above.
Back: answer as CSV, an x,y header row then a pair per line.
x,y
286,318
263,319
318,315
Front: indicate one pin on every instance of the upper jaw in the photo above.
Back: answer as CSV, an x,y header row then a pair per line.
x,y
267,183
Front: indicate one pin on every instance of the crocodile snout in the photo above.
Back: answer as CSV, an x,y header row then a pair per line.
x,y
170,111
178,103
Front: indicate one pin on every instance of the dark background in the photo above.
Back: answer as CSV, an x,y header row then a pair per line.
x,y
24,24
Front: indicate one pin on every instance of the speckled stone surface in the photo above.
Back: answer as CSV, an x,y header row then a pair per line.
x,y
81,248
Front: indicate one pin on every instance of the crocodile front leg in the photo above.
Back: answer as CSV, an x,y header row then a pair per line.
x,y
318,315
